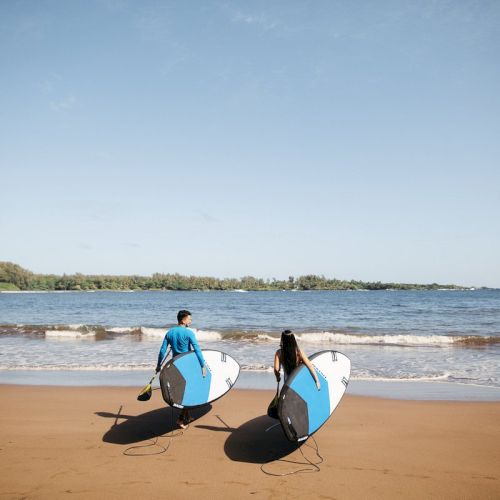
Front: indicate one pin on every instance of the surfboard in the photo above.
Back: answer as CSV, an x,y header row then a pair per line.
x,y
183,385
302,409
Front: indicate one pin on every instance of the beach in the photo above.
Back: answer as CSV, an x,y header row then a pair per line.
x,y
60,441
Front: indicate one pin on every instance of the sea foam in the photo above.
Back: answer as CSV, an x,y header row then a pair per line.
x,y
409,340
69,334
201,335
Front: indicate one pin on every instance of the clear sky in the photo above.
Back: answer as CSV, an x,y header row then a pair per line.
x,y
359,140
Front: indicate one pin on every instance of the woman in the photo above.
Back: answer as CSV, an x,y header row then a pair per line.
x,y
290,356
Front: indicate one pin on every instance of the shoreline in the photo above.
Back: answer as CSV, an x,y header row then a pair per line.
x,y
57,441
404,390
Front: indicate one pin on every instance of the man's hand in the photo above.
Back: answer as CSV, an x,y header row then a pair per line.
x,y
278,377
204,371
158,368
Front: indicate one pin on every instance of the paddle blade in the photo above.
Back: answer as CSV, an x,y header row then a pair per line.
x,y
145,394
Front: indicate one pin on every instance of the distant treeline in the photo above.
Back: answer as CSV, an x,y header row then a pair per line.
x,y
14,277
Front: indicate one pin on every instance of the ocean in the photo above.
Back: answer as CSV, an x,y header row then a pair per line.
x,y
419,344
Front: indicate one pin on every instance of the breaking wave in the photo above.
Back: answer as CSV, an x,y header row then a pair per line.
x,y
401,340
69,334
327,338
201,335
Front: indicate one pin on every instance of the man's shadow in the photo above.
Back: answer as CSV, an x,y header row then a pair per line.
x,y
257,441
136,428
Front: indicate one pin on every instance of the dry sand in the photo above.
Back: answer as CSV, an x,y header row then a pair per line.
x,y
70,442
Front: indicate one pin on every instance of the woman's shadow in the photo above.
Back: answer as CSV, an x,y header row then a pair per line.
x,y
257,441
136,428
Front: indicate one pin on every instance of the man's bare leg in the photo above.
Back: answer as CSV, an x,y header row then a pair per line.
x,y
184,418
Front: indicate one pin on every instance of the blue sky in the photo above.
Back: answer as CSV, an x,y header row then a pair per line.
x,y
351,139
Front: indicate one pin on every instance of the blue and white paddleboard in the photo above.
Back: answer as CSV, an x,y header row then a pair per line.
x,y
302,409
183,385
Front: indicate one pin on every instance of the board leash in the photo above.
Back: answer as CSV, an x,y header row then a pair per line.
x,y
163,449
314,466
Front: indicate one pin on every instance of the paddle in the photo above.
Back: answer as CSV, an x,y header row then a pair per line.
x,y
145,394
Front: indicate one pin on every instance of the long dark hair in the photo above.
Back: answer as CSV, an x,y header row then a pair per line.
x,y
289,351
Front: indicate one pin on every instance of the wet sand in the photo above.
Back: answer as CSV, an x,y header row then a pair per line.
x,y
61,441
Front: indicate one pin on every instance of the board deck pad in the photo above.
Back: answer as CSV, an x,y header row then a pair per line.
x,y
302,409
183,385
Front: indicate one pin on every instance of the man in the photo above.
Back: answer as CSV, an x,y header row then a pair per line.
x,y
181,339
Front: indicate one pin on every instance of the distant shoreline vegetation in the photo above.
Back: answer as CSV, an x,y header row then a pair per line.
x,y
15,278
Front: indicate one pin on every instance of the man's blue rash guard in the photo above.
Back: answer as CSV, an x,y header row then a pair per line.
x,y
180,339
